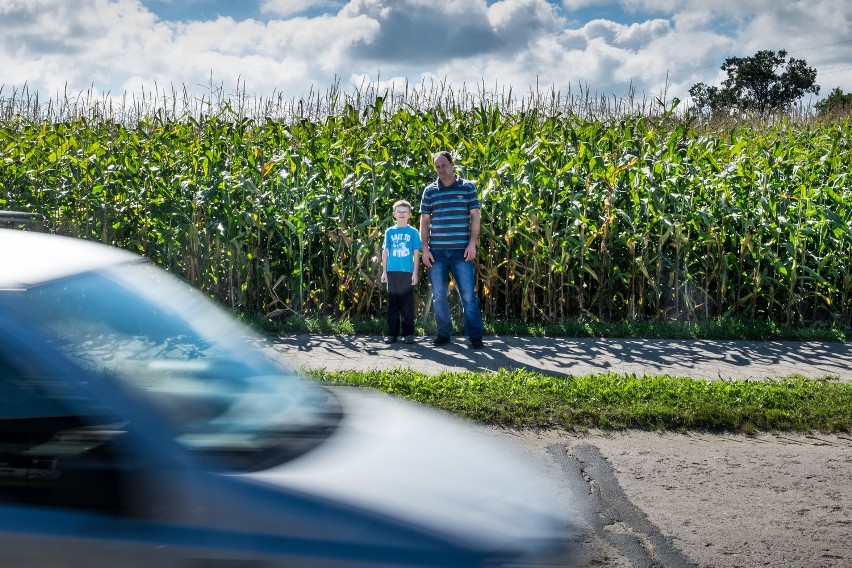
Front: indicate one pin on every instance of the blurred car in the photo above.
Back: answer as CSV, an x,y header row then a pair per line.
x,y
140,425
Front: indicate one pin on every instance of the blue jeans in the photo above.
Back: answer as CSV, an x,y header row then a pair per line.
x,y
451,261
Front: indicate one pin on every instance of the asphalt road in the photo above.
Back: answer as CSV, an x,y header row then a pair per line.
x,y
697,359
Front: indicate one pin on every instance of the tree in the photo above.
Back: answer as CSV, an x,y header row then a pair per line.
x,y
754,84
836,101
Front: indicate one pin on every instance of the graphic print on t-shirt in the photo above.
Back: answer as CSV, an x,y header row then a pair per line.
x,y
401,243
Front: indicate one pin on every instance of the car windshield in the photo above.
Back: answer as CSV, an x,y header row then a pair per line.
x,y
191,360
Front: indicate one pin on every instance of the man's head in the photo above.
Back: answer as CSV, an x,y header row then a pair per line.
x,y
444,167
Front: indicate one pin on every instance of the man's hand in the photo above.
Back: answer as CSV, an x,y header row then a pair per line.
x,y
428,258
470,252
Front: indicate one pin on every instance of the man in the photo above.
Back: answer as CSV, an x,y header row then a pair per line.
x,y
449,229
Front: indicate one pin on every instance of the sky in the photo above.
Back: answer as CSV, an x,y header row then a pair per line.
x,y
289,48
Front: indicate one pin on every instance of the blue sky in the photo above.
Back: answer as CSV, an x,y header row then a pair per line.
x,y
188,10
657,48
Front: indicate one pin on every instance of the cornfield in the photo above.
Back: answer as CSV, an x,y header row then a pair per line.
x,y
590,208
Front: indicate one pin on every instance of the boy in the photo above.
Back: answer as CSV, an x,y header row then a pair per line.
x,y
400,264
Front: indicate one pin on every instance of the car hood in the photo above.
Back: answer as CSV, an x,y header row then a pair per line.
x,y
426,468
30,258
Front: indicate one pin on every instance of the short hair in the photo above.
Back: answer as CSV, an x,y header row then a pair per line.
x,y
403,203
445,153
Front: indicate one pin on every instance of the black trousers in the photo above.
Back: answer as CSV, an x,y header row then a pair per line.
x,y
400,304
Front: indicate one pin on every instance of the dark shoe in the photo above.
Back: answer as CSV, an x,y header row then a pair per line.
x,y
441,340
409,339
389,340
476,344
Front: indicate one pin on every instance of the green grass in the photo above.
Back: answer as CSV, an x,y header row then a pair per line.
x,y
719,328
523,399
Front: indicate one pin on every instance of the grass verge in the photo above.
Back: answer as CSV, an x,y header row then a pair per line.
x,y
520,398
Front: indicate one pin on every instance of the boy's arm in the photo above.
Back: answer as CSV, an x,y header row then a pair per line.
x,y
415,275
384,276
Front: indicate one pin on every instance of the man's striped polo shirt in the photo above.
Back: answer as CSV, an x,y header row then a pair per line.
x,y
449,207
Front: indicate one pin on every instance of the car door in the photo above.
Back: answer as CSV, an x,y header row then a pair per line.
x,y
67,471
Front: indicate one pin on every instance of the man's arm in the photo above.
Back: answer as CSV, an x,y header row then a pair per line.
x,y
425,228
475,226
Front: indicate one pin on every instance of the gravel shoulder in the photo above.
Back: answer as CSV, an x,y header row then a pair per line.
x,y
713,500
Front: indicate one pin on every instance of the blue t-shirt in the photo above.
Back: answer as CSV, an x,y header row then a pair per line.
x,y
401,243
449,208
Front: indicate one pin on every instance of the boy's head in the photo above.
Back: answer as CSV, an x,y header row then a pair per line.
x,y
402,211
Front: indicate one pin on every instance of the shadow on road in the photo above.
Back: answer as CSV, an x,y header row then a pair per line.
x,y
558,356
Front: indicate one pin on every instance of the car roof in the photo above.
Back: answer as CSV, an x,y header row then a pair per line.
x,y
28,258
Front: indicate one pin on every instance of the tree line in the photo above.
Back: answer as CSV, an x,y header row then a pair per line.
x,y
763,83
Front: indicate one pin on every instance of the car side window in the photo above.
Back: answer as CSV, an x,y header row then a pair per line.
x,y
51,453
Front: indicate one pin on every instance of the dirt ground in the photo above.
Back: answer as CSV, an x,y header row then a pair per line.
x,y
715,500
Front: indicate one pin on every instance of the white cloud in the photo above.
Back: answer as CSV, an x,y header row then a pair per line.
x,y
414,31
117,45
63,44
508,16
